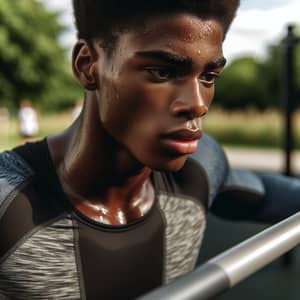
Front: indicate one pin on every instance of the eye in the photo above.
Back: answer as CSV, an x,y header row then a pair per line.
x,y
209,78
159,74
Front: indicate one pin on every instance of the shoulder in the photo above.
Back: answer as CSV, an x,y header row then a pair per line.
x,y
14,173
10,162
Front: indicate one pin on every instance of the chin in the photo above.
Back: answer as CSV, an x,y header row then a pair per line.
x,y
170,165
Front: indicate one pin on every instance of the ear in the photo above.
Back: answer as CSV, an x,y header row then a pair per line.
x,y
84,59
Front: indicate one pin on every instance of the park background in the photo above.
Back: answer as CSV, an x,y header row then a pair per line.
x,y
36,38
247,113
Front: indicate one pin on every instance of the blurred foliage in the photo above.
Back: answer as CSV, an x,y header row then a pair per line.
x,y
32,63
252,83
239,86
249,127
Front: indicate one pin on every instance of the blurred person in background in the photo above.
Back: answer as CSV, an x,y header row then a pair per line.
x,y
28,121
116,205
4,114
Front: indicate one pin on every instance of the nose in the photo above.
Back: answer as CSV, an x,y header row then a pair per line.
x,y
190,102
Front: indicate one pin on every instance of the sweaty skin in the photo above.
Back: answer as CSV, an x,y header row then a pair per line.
x,y
143,109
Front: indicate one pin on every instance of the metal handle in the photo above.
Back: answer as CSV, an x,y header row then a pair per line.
x,y
232,266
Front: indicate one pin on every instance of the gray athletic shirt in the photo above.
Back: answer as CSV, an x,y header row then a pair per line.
x,y
49,250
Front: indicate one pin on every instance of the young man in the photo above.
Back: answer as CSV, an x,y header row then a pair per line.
x,y
114,206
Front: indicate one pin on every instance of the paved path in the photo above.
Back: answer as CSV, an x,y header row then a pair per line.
x,y
261,159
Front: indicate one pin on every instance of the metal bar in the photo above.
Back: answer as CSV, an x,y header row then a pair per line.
x,y
234,265
290,42
288,90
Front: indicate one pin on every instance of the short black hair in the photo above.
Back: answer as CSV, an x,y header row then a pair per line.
x,y
104,18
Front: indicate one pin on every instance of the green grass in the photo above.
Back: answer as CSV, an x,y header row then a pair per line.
x,y
49,124
248,128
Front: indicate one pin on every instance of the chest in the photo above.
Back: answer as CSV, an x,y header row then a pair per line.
x,y
71,259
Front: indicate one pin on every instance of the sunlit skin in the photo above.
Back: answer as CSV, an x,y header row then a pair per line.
x,y
143,110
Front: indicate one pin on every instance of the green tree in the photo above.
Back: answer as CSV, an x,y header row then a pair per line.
x,y
248,82
273,72
32,63
239,86
271,78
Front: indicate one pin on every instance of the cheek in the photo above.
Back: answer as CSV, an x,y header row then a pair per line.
x,y
133,109
211,95
144,99
107,99
208,95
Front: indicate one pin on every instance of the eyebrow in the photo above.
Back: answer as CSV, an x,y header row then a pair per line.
x,y
167,57
219,63
176,59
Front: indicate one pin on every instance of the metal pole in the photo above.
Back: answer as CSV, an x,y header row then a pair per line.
x,y
289,43
234,265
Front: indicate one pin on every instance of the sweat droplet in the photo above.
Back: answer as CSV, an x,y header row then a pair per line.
x,y
198,52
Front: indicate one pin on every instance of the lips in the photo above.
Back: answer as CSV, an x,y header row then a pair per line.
x,y
182,141
184,134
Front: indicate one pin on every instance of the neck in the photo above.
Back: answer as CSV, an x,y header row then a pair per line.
x,y
95,171
121,204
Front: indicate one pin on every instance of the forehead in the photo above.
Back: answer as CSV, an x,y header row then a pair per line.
x,y
186,34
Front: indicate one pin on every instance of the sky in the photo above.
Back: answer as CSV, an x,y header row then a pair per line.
x,y
258,25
